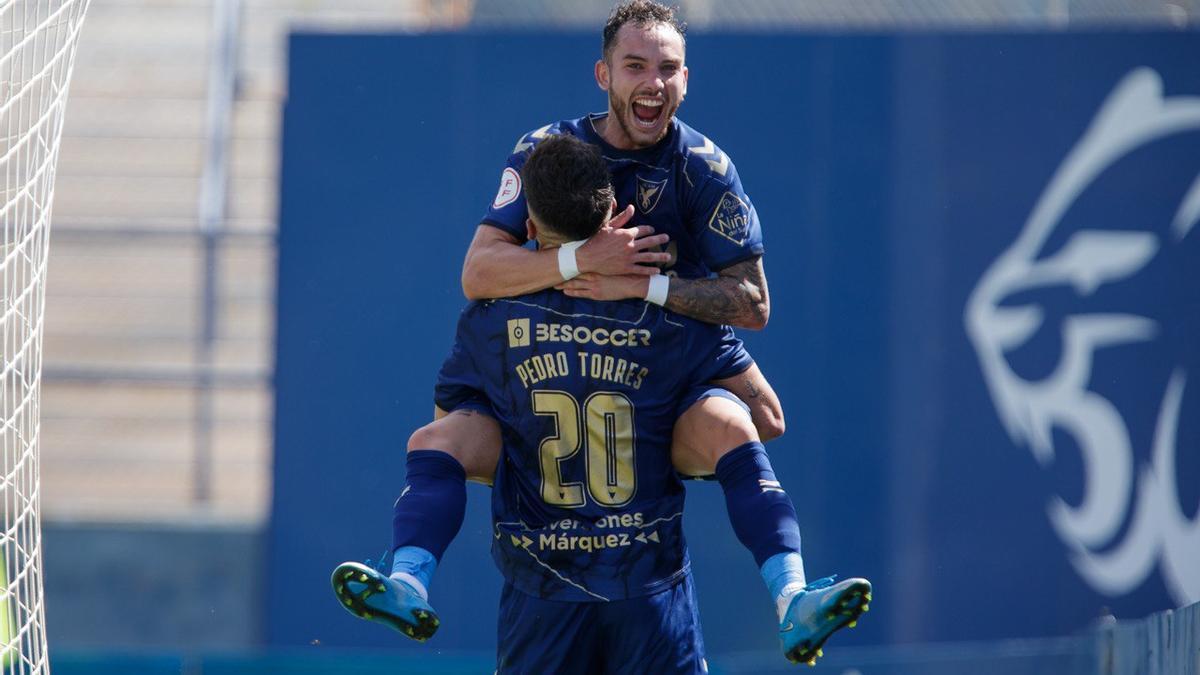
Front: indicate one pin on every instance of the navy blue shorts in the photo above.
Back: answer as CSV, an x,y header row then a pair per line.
x,y
477,402
657,633
700,392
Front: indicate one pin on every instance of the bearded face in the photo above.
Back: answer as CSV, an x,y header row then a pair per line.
x,y
646,81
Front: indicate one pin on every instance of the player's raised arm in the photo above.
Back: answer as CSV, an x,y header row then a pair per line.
x,y
497,266
736,296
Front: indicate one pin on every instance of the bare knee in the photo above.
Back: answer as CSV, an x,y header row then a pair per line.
x,y
470,438
432,437
708,430
731,429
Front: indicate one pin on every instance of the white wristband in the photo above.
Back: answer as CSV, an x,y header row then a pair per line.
x,y
657,292
568,267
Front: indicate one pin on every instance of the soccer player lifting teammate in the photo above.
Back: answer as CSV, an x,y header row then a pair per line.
x,y
587,505
688,193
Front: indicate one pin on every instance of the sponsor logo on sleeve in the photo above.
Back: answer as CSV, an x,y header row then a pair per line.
x,y
731,219
510,188
518,333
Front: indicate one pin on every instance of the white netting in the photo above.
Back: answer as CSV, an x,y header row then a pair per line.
x,y
37,54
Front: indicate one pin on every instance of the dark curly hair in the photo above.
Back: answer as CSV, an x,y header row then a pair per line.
x,y
639,13
567,187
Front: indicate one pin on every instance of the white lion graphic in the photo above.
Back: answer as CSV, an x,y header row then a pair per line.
x,y
1135,114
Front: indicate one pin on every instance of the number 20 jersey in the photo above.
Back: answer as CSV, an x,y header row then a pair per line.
x,y
586,505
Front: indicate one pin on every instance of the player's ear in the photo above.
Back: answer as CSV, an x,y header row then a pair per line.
x,y
602,74
530,229
684,94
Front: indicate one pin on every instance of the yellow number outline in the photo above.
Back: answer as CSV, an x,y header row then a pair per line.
x,y
559,447
611,447
609,433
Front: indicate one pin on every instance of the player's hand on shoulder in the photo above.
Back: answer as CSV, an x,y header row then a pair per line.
x,y
617,249
606,287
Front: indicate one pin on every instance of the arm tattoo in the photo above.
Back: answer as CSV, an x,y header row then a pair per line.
x,y
737,296
751,389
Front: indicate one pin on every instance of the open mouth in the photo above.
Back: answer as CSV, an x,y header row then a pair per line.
x,y
647,111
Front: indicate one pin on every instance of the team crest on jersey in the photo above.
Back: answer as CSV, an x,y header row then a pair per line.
x,y
649,192
510,188
731,219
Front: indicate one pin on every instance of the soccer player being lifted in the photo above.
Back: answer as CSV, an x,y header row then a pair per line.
x,y
686,193
587,505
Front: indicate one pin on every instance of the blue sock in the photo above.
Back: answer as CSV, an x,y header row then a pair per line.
x,y
783,572
761,513
417,563
429,512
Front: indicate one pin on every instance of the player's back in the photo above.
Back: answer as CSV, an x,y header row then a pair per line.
x,y
587,505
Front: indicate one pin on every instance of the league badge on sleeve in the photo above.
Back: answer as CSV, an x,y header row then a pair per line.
x,y
731,219
510,188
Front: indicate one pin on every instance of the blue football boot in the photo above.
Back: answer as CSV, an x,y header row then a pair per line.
x,y
372,595
816,612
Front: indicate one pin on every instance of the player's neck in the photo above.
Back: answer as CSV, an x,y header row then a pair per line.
x,y
546,242
614,134
611,133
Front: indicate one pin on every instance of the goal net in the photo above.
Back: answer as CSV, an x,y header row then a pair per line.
x,y
37,54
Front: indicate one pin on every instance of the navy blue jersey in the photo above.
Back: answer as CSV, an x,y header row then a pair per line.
x,y
683,186
586,503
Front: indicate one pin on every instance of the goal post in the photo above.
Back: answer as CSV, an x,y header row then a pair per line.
x,y
37,56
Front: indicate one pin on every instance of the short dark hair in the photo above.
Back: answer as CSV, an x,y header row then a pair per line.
x,y
567,186
639,13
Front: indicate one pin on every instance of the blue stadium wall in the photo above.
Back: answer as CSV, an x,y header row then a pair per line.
x,y
985,291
